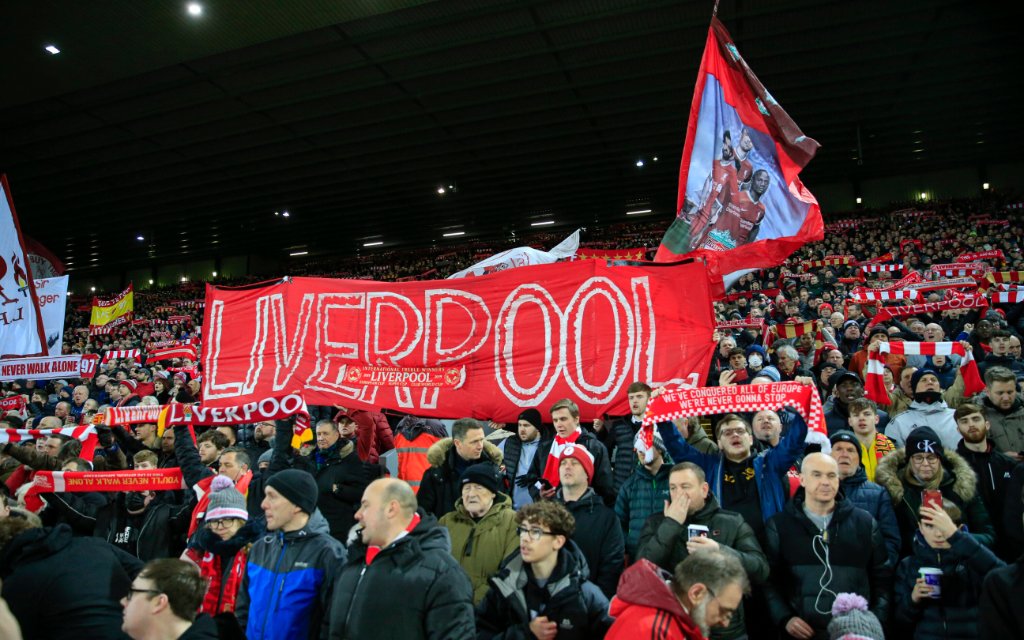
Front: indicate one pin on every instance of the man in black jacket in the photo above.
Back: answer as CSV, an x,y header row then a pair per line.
x,y
622,434
340,475
565,416
993,469
846,386
61,586
666,540
440,488
597,534
400,581
819,546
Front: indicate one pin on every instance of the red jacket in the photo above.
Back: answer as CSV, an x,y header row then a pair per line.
x,y
645,607
373,434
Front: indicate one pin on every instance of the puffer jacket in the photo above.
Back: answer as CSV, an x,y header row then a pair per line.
x,y
1007,432
663,542
771,467
954,615
288,581
645,607
959,484
875,500
994,471
480,546
413,589
936,415
639,498
575,603
797,555
439,488
599,538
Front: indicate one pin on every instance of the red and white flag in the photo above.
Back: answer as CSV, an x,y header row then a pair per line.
x,y
874,385
740,203
22,332
85,433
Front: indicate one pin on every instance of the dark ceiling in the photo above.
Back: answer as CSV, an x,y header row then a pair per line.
x,y
192,132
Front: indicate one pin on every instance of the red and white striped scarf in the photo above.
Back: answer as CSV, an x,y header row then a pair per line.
x,y
879,268
833,261
861,295
998,277
555,456
184,351
874,385
1012,296
118,354
85,433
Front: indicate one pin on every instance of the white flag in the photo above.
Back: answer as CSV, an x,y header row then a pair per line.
x,y
21,325
523,257
53,299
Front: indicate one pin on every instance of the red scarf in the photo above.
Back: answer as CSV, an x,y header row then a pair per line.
x,y
554,456
874,384
373,550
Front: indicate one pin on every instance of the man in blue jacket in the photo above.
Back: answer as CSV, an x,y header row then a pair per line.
x,y
286,593
753,485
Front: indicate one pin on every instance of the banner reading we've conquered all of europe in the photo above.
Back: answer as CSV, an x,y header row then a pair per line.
x,y
483,347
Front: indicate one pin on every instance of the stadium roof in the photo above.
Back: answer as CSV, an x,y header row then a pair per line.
x,y
192,131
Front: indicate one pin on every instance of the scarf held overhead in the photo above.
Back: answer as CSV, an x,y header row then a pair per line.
x,y
874,385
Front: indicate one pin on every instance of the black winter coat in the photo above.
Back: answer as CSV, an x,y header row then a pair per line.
x,y
340,481
994,471
954,615
875,500
599,537
663,542
575,603
413,589
440,488
855,552
620,447
161,527
61,586
1000,613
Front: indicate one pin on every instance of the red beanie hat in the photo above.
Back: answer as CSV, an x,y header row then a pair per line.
x,y
582,456
131,384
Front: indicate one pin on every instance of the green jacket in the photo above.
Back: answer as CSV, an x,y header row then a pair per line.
x,y
480,546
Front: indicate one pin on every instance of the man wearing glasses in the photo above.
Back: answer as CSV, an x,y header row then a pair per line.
x,y
543,590
162,603
925,464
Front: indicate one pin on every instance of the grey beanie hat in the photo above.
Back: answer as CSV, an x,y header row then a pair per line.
x,y
851,618
225,501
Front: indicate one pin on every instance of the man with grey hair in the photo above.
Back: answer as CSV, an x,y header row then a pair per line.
x,y
449,457
820,545
401,551
789,363
702,594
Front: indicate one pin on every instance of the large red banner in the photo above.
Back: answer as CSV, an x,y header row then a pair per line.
x,y
518,338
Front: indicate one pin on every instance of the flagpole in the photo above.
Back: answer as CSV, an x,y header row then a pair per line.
x,y
714,12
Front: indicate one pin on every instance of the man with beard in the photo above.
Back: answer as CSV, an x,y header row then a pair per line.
x,y
821,545
992,468
927,410
704,592
846,387
1005,412
718,189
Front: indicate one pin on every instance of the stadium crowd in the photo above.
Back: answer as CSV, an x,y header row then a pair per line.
x,y
906,518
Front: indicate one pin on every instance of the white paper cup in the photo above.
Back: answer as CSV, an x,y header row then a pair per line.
x,y
933,578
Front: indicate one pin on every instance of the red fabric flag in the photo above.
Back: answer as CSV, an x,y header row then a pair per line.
x,y
740,204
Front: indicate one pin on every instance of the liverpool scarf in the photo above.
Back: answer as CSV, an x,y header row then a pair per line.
x,y
874,385
995,254
118,354
702,401
85,434
372,550
184,351
861,295
999,277
966,302
555,456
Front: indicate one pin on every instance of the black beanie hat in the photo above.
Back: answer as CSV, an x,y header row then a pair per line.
x,y
297,487
532,416
924,440
845,436
484,474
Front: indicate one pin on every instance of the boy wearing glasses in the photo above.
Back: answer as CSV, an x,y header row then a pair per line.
x,y
162,603
543,589
925,464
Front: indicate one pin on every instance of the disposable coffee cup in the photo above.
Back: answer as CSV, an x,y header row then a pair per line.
x,y
697,531
932,578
